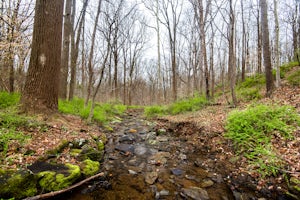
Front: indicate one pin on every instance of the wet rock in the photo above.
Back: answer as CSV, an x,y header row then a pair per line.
x,y
207,183
78,143
140,150
195,193
182,156
177,172
151,177
132,172
125,148
198,163
152,142
159,158
217,178
127,139
164,193
162,139
151,136
237,195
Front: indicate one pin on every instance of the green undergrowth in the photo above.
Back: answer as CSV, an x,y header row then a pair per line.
x,y
7,99
252,130
251,87
287,67
102,112
181,106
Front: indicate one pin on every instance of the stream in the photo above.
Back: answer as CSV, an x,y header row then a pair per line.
x,y
142,162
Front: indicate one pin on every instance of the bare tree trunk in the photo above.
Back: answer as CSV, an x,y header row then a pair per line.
x,y
74,52
266,48
232,56
203,48
83,62
90,67
212,72
11,52
243,43
259,46
158,55
67,29
277,45
91,114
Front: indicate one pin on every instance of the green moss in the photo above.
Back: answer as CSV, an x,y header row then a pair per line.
x,y
100,145
17,184
75,152
89,152
53,181
90,167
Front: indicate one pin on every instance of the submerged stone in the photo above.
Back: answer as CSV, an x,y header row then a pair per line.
x,y
195,193
177,172
125,148
151,177
17,184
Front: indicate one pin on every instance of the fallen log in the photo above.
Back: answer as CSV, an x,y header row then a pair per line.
x,y
52,194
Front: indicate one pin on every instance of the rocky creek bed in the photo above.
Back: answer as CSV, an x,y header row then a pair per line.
x,y
134,158
145,160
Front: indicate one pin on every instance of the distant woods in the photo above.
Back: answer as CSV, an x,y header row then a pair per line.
x,y
145,52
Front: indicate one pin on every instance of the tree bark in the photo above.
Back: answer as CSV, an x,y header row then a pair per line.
x,y
259,45
277,44
67,29
232,56
266,48
90,67
40,93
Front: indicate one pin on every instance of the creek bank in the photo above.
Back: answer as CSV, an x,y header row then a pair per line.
x,y
82,159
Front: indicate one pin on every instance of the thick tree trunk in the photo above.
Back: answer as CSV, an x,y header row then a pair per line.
x,y
40,93
266,48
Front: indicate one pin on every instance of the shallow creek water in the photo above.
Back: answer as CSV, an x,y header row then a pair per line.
x,y
143,163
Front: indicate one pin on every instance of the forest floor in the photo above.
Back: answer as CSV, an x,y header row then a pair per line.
x,y
208,122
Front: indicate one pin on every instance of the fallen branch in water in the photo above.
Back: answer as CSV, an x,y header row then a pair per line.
x,y
52,194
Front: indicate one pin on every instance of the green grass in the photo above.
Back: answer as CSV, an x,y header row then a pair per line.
x,y
250,88
7,99
252,129
10,124
102,112
181,106
287,67
294,78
